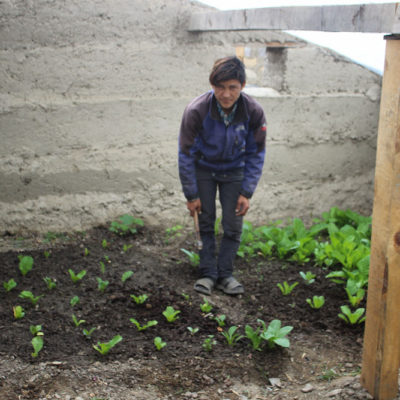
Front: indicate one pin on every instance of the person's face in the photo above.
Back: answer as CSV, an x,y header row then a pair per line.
x,y
227,92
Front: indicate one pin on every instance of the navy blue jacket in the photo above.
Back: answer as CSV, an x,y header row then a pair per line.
x,y
205,142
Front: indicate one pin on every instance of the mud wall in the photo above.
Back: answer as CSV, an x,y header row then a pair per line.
x,y
91,96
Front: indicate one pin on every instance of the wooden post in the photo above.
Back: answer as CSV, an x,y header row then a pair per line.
x,y
381,353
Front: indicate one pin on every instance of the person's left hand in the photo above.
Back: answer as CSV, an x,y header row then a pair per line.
x,y
242,205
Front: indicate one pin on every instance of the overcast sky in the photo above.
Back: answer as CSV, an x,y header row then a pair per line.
x,y
367,49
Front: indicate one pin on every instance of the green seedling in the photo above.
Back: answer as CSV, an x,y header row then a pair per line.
x,y
104,244
102,267
206,307
352,318
185,296
102,285
88,333
143,327
254,337
36,330
355,298
107,259
25,264
37,343
192,331
309,277
126,224
76,321
47,254
76,277
316,302
171,314
159,343
50,283
139,299
275,334
126,275
126,247
209,343
194,258
10,285
86,252
74,301
26,294
172,233
220,320
18,312
104,348
285,288
231,336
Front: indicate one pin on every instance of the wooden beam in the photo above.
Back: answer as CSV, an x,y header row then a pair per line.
x,y
346,18
381,353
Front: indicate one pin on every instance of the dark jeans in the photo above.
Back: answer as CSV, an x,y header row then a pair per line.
x,y
229,185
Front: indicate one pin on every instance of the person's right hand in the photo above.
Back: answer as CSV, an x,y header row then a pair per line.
x,y
193,206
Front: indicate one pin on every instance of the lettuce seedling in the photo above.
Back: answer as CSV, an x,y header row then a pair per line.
x,y
126,247
36,330
37,343
102,267
104,348
88,333
76,321
192,331
50,283
316,302
126,275
26,294
254,337
25,264
172,233
18,312
126,224
352,317
206,307
102,285
47,253
285,288
139,299
171,314
232,336
194,258
355,298
209,342
74,301
159,343
104,244
143,327
220,320
10,285
86,252
309,277
275,334
76,277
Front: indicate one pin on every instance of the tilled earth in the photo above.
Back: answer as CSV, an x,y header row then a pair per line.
x,y
323,359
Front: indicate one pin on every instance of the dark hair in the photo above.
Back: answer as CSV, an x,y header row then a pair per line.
x,y
227,68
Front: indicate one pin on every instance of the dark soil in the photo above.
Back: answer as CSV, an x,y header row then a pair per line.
x,y
322,346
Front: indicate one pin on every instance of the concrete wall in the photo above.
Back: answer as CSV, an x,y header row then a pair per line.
x,y
91,96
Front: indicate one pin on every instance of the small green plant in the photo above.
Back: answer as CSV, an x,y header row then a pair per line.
x,y
220,320
47,254
139,299
285,288
88,333
126,247
350,317
192,331
50,282
126,224
254,336
76,277
25,264
102,267
158,342
37,344
172,233
10,285
104,244
231,335
35,330
126,275
171,314
275,334
26,294
77,322
194,258
74,301
328,375
18,312
316,302
206,307
144,326
209,343
355,296
309,277
86,252
104,348
102,285
185,296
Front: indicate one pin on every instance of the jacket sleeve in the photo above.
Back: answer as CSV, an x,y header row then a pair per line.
x,y
255,152
190,127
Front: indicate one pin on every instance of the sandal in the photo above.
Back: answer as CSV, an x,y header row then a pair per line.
x,y
204,285
230,286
